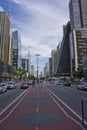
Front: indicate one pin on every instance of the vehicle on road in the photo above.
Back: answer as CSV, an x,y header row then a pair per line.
x,y
67,83
30,82
82,86
11,85
24,85
3,87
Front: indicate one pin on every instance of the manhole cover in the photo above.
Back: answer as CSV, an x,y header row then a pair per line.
x,y
39,119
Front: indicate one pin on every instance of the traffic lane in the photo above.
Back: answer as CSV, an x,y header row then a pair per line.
x,y
73,100
71,89
49,113
9,96
65,121
10,120
13,121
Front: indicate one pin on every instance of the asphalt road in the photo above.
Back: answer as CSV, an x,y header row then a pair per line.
x,y
38,109
8,97
70,96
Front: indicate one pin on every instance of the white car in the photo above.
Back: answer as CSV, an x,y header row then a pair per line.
x,y
3,87
11,85
82,86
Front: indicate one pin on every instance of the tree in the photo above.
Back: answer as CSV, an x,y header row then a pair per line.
x,y
79,73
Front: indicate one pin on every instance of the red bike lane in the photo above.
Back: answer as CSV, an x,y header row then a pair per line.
x,y
38,110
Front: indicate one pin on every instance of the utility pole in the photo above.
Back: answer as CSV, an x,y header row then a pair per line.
x,y
37,55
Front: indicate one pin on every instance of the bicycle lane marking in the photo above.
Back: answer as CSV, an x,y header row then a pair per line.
x,y
18,103
62,109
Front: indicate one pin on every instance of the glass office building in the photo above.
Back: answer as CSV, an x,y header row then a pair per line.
x,y
16,60
74,14
78,13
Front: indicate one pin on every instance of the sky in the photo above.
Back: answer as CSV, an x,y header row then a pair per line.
x,y
40,25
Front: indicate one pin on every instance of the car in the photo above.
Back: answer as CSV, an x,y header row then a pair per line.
x,y
24,85
67,84
11,85
59,83
30,82
3,87
82,86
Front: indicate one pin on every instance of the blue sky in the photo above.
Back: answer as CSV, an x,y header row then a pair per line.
x,y
39,23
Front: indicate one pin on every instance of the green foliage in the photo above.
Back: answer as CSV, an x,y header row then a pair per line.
x,y
79,73
31,77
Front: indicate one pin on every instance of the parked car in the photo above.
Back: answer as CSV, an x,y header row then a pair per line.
x,y
24,85
67,83
82,86
3,87
11,85
59,83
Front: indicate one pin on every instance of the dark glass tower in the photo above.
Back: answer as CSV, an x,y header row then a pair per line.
x,y
16,50
78,13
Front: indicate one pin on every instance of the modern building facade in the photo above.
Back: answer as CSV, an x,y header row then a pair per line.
x,y
24,64
79,41
54,59
78,13
16,60
50,67
63,54
4,37
10,51
32,70
78,35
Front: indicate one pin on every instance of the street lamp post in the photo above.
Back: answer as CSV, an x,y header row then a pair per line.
x,y
37,55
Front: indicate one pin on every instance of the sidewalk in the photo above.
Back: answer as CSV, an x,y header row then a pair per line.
x,y
39,110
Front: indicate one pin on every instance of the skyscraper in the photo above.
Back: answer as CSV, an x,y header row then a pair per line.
x,y
78,13
83,4
54,56
4,37
16,61
78,34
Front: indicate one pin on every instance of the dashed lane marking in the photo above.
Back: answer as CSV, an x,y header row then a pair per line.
x,y
37,110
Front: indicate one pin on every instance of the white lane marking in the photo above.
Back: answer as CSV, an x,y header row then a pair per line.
x,y
14,108
13,102
48,91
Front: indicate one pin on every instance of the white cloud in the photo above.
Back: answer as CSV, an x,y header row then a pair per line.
x,y
41,29
1,8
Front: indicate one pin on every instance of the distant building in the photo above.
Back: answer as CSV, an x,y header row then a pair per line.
x,y
54,56
32,70
50,66
24,64
16,61
47,70
10,51
4,37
